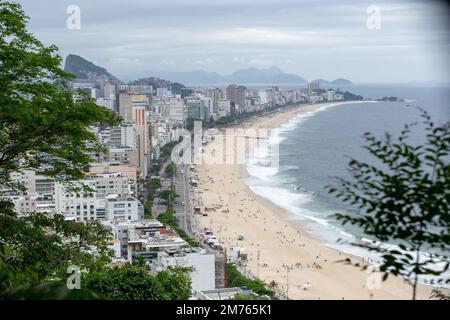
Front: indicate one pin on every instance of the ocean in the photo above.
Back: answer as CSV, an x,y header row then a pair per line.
x,y
316,147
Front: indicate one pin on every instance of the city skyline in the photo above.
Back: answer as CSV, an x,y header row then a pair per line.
x,y
326,40
319,170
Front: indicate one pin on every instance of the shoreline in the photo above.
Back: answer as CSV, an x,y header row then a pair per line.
x,y
279,242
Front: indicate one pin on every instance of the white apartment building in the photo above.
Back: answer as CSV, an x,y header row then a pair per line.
x,y
172,109
314,99
223,107
79,204
162,92
104,136
177,110
262,94
123,135
24,204
34,183
203,274
331,95
123,209
109,91
113,183
106,102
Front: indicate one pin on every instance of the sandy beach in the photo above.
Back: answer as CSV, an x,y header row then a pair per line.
x,y
284,248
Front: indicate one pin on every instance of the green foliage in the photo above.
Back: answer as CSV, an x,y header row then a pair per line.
x,y
129,282
348,96
240,297
154,184
237,279
151,186
406,200
171,169
166,150
40,123
148,209
42,247
176,87
42,128
175,283
168,195
168,218
48,291
133,282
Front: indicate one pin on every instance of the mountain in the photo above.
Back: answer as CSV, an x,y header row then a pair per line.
x,y
272,75
86,70
155,82
336,82
341,82
196,77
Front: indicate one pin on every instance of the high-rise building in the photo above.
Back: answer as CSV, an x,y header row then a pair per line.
x,y
126,106
236,95
194,108
215,95
171,109
272,96
313,86
186,92
162,93
145,90
331,95
223,108
198,108
142,134
123,135
109,90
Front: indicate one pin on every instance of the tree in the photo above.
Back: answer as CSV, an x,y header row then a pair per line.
x,y
41,248
171,169
237,279
133,282
151,186
154,184
42,126
175,283
405,200
166,150
168,195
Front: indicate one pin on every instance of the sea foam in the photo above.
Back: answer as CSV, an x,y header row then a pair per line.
x,y
264,182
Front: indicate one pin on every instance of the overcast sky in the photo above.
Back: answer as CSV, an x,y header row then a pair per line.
x,y
314,39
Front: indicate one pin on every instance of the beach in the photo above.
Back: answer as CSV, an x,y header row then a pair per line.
x,y
279,249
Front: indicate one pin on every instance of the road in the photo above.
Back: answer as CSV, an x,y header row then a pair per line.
x,y
184,202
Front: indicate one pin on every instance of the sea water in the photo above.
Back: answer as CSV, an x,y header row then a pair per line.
x,y
316,147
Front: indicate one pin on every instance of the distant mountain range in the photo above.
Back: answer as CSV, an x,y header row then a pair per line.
x,y
337,82
272,75
84,69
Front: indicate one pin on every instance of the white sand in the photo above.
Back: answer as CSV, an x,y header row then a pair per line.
x,y
281,243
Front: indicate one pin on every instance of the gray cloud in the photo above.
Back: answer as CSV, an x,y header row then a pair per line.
x,y
315,39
